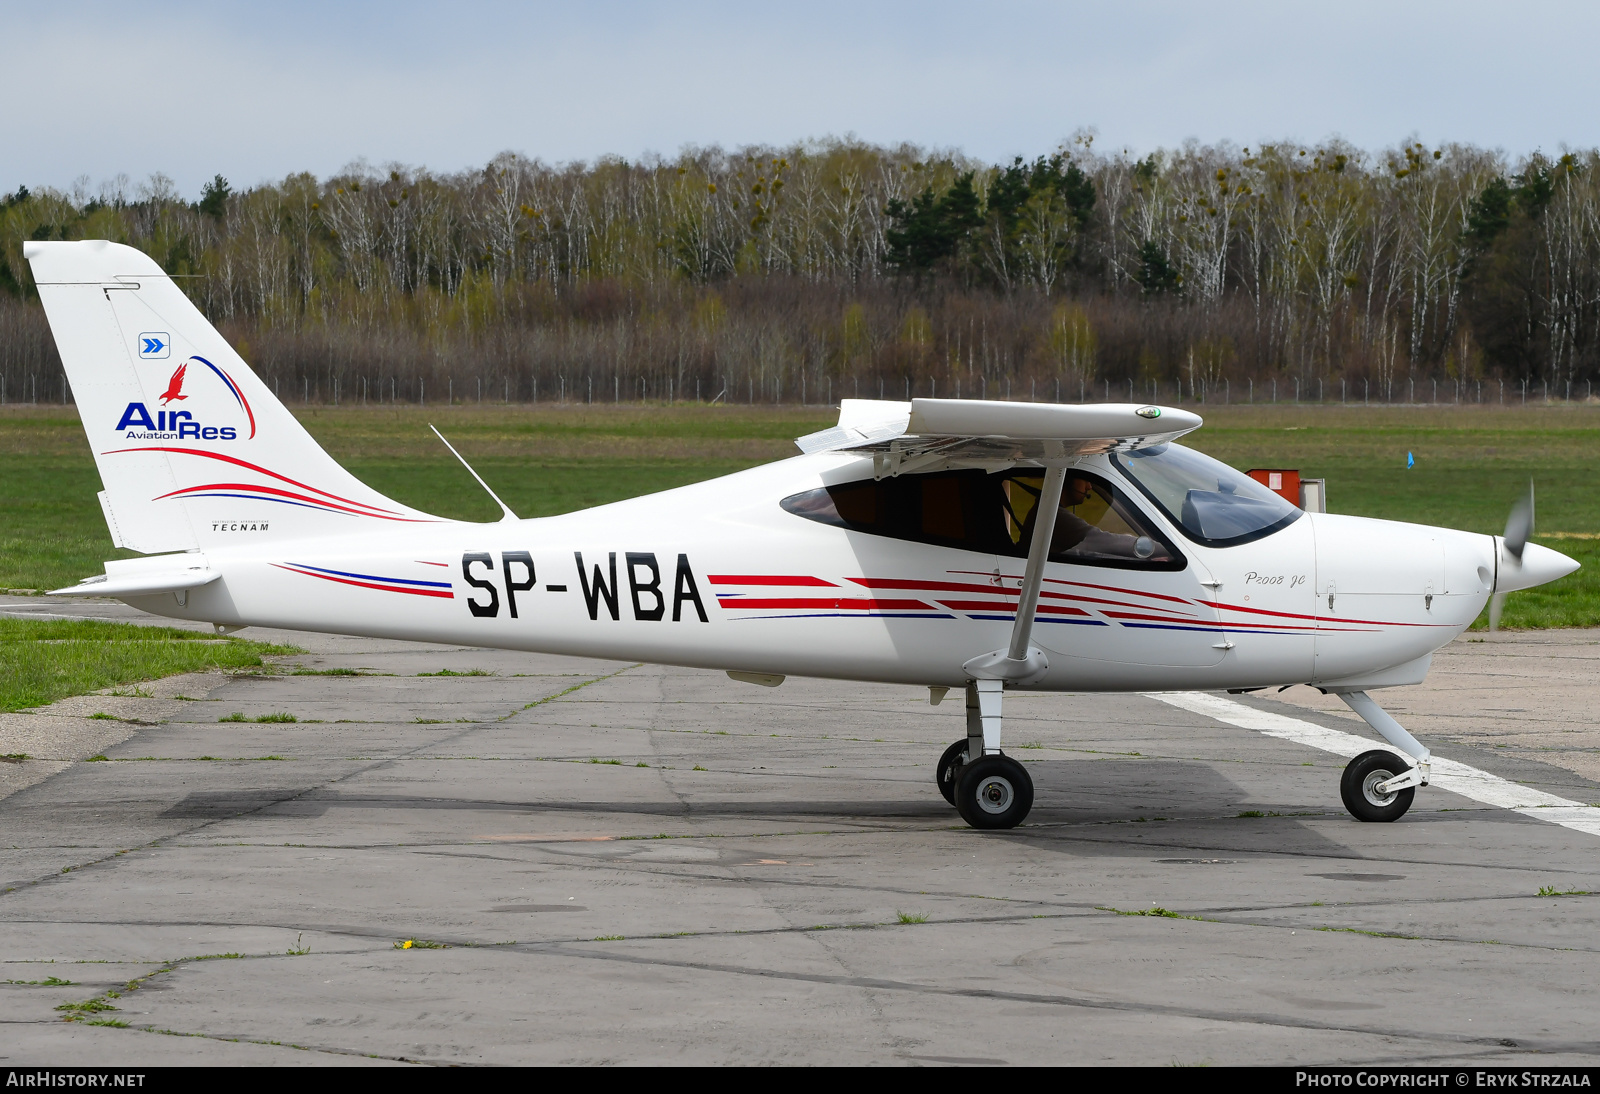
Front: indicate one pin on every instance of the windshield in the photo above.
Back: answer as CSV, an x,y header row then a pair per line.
x,y
1214,504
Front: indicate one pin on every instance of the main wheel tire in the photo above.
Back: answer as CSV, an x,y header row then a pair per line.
x,y
949,770
1358,787
994,792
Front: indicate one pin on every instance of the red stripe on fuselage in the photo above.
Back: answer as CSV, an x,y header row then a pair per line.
x,y
931,586
1007,606
990,590
768,579
1320,618
1162,618
368,584
834,603
1124,592
1100,600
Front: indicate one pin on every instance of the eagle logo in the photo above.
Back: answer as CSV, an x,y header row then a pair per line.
x,y
175,386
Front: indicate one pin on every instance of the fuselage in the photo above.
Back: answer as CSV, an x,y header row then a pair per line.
x,y
720,575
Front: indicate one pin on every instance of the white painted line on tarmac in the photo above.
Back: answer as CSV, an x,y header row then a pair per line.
x,y
1458,778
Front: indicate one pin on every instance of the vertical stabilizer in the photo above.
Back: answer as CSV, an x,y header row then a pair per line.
x,y
192,447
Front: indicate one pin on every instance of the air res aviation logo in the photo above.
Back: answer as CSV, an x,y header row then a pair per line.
x,y
139,423
175,385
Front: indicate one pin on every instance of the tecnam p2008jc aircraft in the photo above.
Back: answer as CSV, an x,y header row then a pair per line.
x,y
977,545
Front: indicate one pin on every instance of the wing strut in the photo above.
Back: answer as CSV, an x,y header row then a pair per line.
x,y
1044,526
1021,662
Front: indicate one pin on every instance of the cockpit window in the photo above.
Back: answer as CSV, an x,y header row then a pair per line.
x,y
1096,525
1213,504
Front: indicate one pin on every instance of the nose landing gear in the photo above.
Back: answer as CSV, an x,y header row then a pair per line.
x,y
1380,785
1363,787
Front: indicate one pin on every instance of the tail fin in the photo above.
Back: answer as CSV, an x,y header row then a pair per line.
x,y
192,448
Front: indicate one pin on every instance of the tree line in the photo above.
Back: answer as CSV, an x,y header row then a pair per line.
x,y
836,268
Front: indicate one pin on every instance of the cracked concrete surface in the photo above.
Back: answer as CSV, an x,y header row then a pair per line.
x,y
54,737
633,864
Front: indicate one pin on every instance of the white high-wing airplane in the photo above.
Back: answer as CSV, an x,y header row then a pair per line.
x,y
903,546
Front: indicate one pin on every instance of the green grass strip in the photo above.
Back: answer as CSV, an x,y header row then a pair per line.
x,y
45,660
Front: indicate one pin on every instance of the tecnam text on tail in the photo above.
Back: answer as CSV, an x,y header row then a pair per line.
x,y
967,545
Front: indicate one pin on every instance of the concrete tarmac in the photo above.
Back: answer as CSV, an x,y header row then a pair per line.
x,y
608,863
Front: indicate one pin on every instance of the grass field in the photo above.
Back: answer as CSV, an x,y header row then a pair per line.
x,y
1471,463
45,660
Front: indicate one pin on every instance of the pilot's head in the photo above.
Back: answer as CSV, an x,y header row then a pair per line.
x,y
1076,490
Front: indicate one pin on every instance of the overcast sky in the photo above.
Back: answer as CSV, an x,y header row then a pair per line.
x,y
256,91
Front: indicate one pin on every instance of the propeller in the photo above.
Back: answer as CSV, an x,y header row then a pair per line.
x,y
1519,526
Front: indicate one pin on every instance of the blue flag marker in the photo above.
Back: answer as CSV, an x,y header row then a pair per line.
x,y
1411,461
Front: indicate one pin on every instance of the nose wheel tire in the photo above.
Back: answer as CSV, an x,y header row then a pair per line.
x,y
1358,787
994,792
949,769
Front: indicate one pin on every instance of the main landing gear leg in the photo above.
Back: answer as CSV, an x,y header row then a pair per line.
x,y
984,698
1378,785
988,788
982,695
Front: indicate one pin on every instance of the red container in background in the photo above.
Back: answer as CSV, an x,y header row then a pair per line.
x,y
1281,481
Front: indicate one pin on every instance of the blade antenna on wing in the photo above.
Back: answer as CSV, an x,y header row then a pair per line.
x,y
504,508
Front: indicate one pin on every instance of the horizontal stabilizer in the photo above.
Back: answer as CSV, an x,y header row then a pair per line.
x,y
146,577
928,433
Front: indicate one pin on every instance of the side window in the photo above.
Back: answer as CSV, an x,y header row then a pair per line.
x,y
948,508
975,510
942,509
1096,525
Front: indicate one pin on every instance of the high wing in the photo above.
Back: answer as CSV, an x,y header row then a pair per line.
x,y
933,434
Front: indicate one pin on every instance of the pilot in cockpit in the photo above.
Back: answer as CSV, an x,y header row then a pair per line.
x,y
1079,520
1093,521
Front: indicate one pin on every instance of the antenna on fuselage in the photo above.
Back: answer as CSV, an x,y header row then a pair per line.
x,y
504,508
